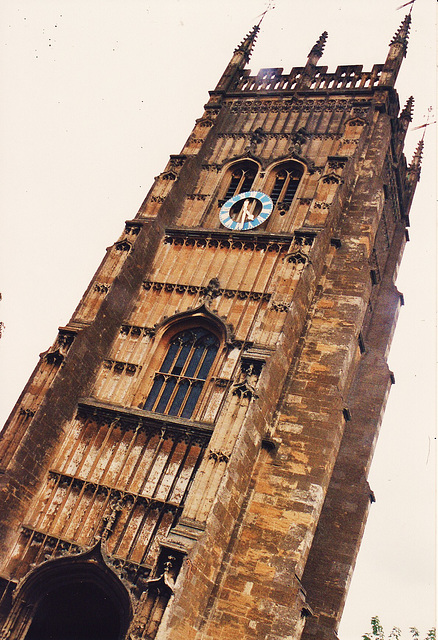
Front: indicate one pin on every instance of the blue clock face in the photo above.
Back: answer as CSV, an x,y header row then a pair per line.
x,y
245,218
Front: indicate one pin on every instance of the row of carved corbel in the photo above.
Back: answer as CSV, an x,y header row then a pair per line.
x,y
218,456
28,413
102,287
120,498
167,427
50,541
197,196
280,306
226,243
119,366
358,108
196,289
136,331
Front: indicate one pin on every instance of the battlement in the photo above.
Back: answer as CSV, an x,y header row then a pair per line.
x,y
345,78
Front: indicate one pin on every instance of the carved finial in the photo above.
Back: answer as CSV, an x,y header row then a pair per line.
x,y
312,60
318,47
408,110
413,173
417,157
401,36
397,51
247,44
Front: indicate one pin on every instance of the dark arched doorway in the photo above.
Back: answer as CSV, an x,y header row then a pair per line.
x,y
76,597
78,611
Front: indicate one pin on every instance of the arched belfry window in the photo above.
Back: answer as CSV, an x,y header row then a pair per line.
x,y
238,179
179,381
284,184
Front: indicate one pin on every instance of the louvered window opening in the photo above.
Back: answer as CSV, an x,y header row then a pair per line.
x,y
179,381
241,181
285,187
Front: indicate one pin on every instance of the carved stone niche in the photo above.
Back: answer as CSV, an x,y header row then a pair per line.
x,y
251,367
123,245
133,227
298,138
154,594
57,353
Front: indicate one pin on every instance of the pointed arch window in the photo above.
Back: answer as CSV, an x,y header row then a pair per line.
x,y
242,178
239,178
185,368
285,183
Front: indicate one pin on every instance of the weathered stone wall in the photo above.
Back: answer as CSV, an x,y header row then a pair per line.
x,y
242,503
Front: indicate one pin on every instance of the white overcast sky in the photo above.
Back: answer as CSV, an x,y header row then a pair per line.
x,y
95,96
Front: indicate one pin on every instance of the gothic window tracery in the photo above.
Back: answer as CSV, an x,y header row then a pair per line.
x,y
283,185
241,179
181,377
238,179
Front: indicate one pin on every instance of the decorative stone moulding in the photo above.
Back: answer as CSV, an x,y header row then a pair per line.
x,y
51,542
133,419
212,167
177,160
118,366
337,162
206,291
356,122
297,257
218,456
230,239
123,245
135,331
280,306
120,497
59,549
54,356
102,287
205,122
197,196
28,413
132,227
168,175
332,178
244,390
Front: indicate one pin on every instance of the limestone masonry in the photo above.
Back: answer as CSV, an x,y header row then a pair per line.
x,y
189,460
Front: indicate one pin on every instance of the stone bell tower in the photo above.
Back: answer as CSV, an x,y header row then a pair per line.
x,y
189,459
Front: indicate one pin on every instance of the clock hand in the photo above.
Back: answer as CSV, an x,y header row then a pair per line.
x,y
245,212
